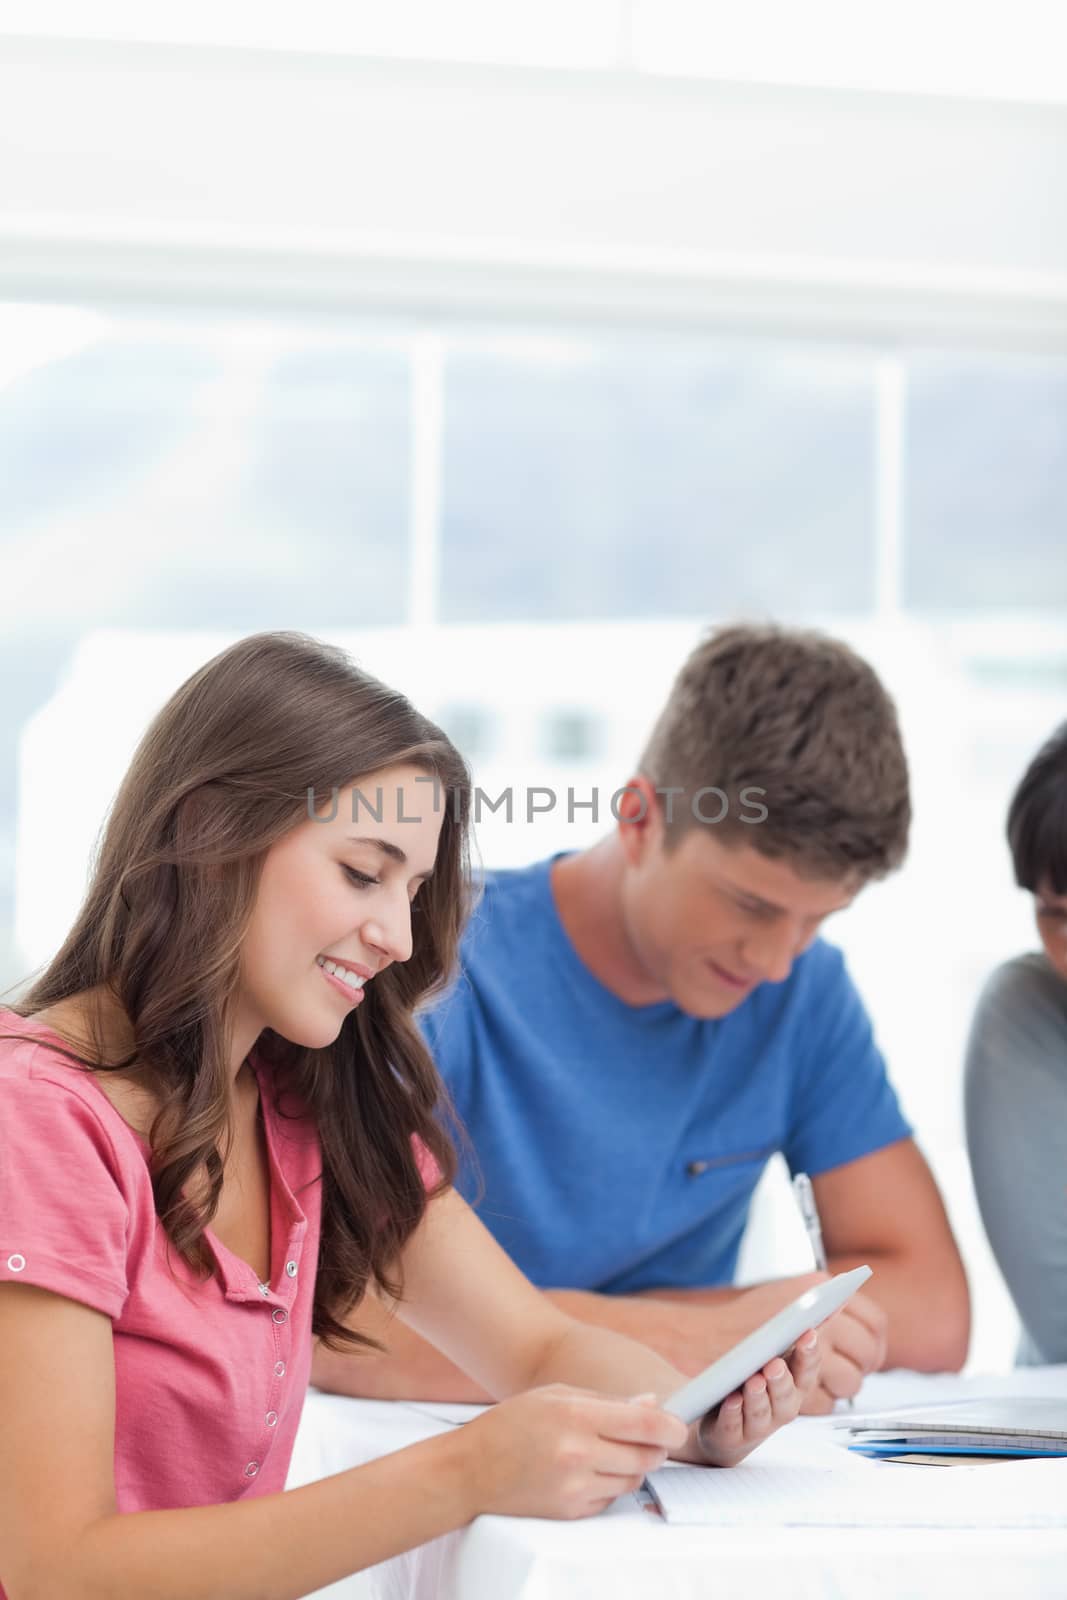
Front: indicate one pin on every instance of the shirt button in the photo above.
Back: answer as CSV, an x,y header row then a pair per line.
x,y
251,1469
695,1168
264,1289
280,1315
290,1267
271,1419
279,1369
16,1262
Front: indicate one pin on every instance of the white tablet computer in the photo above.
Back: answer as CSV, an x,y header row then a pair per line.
x,y
774,1338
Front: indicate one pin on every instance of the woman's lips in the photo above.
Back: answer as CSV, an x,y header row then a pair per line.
x,y
353,996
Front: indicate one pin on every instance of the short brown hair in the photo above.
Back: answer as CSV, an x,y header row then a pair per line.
x,y
804,726
1037,819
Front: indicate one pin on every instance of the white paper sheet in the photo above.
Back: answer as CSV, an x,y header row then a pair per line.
x,y
1014,1494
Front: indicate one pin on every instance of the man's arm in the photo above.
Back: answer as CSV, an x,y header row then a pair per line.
x,y
885,1209
882,1207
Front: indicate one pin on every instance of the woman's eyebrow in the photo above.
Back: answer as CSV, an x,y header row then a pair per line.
x,y
388,848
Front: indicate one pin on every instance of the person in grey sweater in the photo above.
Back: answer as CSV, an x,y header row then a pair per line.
x,y
1015,1076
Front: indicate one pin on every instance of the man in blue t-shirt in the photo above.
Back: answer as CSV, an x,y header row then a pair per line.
x,y
639,1026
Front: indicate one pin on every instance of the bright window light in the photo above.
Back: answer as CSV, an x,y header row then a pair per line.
x,y
552,33
984,48
980,48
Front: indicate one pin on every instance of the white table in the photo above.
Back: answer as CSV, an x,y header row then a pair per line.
x,y
630,1554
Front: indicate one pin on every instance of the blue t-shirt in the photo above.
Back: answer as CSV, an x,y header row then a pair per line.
x,y
619,1145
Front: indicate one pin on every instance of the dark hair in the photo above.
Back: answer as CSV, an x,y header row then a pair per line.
x,y
223,772
1037,818
802,720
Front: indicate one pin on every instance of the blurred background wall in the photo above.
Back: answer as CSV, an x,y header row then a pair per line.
x,y
510,345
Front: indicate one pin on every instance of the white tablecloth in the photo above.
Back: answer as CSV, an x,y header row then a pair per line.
x,y
631,1554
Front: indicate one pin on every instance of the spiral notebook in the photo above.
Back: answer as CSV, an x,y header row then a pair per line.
x,y
1027,1426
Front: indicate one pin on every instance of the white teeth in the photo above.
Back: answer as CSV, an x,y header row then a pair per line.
x,y
353,979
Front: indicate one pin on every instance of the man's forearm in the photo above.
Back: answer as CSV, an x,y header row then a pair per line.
x,y
719,1294
927,1304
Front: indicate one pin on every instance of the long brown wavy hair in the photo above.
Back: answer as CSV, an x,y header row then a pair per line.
x,y
227,767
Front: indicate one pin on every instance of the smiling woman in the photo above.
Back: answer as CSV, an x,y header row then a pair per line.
x,y
212,899
346,904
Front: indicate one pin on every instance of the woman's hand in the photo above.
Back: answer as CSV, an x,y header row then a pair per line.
x,y
565,1453
765,1402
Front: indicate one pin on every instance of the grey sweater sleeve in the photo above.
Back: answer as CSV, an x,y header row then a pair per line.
x,y
1015,1100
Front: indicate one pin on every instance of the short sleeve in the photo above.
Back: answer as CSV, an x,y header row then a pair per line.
x,y
844,1105
1015,1101
63,1213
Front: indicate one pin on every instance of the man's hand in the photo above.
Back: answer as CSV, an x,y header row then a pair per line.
x,y
854,1342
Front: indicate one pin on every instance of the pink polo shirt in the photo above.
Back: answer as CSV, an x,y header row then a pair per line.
x,y
210,1376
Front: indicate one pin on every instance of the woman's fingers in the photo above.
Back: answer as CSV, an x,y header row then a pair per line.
x,y
757,1401
721,1433
805,1363
635,1438
627,1461
628,1422
782,1392
766,1401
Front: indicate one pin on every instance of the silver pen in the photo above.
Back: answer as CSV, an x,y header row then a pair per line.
x,y
809,1211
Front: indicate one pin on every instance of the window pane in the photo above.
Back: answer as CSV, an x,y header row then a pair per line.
x,y
207,472
471,729
329,479
75,431
986,483
567,33
186,471
571,736
634,478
